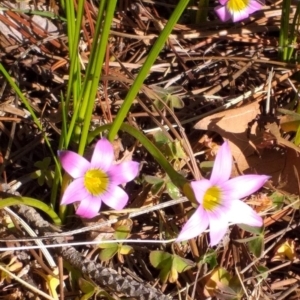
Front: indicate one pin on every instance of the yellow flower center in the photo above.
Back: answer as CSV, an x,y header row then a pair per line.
x,y
96,181
212,198
237,5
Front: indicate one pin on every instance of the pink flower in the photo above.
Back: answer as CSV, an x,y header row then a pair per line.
x,y
219,201
236,10
96,181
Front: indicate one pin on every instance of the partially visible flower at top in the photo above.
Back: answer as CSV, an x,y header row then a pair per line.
x,y
98,180
219,202
236,10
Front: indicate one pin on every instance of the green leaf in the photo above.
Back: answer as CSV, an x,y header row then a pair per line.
x,y
251,229
210,258
31,202
160,137
277,199
165,271
176,102
182,264
125,249
256,246
86,286
162,260
108,253
157,188
122,232
172,190
264,271
44,164
107,245
297,137
159,258
153,179
176,177
177,150
87,296
206,166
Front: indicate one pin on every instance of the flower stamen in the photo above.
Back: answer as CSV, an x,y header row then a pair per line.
x,y
96,181
212,198
237,5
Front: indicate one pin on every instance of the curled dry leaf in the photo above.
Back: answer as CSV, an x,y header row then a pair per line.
x,y
277,162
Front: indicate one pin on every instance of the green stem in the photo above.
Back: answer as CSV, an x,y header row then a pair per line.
x,y
135,88
176,178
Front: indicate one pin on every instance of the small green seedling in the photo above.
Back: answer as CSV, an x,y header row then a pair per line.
x,y
90,289
256,242
159,185
170,265
109,250
168,95
45,172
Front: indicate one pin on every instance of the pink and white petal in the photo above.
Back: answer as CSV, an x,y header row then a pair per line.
x,y
254,6
74,164
89,207
195,225
240,15
124,172
200,187
241,213
242,186
223,13
76,191
103,155
223,2
222,166
115,197
218,225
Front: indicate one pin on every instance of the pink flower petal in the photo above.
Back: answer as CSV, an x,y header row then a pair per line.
x,y
218,225
242,186
222,166
74,164
115,197
74,192
103,155
196,224
223,2
223,13
241,213
240,15
124,172
89,207
253,6
200,187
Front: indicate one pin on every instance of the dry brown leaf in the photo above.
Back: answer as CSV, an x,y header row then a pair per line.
x,y
277,162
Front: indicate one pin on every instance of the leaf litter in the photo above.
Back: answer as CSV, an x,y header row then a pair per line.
x,y
212,62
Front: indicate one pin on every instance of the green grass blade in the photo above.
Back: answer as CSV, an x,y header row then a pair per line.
x,y
176,178
33,203
135,88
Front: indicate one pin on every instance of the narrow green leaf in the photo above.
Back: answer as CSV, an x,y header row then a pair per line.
x,y
157,188
31,202
153,179
251,229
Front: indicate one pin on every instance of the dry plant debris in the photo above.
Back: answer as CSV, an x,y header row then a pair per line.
x,y
216,65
